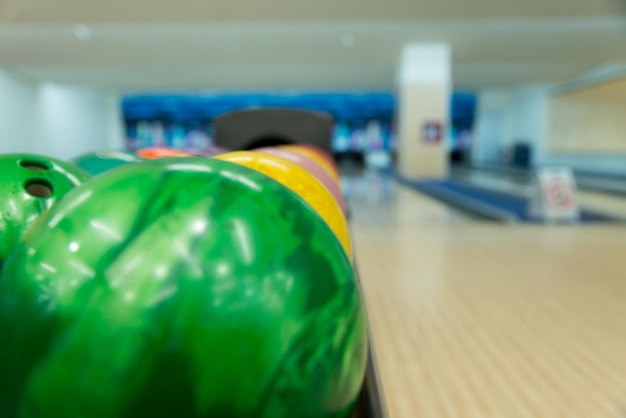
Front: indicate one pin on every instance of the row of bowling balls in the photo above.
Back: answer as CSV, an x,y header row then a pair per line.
x,y
177,286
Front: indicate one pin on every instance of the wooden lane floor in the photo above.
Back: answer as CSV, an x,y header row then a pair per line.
x,y
476,319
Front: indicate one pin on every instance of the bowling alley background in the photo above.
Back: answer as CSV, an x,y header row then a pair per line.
x,y
312,209
363,121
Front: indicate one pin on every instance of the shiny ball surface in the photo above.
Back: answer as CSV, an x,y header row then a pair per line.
x,y
190,288
322,153
314,168
102,161
303,183
207,152
29,186
160,152
315,157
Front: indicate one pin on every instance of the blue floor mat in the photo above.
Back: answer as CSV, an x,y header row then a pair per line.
x,y
503,202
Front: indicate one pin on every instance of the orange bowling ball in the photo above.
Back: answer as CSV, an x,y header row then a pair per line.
x,y
301,182
160,152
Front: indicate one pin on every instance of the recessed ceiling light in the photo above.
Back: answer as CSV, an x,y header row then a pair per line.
x,y
347,40
82,32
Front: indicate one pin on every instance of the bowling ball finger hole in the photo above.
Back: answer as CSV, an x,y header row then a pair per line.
x,y
39,188
34,165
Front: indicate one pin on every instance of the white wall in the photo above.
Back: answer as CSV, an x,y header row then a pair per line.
x,y
73,121
18,112
493,125
506,116
55,120
529,118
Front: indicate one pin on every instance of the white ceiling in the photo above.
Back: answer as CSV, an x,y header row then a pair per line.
x,y
242,44
210,11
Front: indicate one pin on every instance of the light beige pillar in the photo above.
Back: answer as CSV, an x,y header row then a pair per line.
x,y
424,88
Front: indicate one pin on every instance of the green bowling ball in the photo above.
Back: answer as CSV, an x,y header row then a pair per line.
x,y
101,161
191,288
29,186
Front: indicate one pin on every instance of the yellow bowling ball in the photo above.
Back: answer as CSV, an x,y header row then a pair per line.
x,y
315,157
300,181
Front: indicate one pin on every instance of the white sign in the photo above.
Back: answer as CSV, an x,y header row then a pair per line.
x,y
555,198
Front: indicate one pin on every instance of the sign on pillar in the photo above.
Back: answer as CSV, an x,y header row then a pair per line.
x,y
555,198
432,132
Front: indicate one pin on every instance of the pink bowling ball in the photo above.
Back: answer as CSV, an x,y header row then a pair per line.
x,y
207,152
314,168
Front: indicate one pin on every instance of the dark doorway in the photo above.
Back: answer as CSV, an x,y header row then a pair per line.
x,y
267,141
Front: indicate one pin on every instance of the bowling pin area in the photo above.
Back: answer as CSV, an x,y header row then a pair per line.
x,y
471,318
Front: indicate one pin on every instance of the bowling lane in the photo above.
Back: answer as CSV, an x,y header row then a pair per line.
x,y
475,319
371,192
609,204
